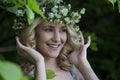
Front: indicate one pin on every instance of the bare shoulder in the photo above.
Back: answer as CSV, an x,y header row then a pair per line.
x,y
78,74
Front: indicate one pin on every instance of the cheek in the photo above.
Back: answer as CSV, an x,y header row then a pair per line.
x,y
40,44
41,39
64,37
42,36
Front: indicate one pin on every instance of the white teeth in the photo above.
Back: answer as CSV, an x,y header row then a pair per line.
x,y
54,46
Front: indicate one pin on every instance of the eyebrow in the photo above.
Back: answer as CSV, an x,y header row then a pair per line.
x,y
53,26
63,26
49,26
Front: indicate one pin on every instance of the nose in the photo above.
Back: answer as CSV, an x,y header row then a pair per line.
x,y
56,37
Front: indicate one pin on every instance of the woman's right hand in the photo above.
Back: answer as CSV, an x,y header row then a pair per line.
x,y
29,53
34,57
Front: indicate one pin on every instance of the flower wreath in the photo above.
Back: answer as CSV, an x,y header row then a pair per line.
x,y
51,10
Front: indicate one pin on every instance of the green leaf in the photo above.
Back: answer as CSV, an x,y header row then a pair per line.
x,y
35,7
13,9
10,71
50,74
94,47
119,6
24,78
113,2
30,14
20,2
93,36
1,78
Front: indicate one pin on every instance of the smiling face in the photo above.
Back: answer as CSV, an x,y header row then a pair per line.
x,y
50,38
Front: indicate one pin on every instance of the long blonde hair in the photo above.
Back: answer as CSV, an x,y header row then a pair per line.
x,y
27,37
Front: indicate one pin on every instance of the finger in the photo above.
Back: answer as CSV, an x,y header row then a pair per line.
x,y
18,42
88,42
82,38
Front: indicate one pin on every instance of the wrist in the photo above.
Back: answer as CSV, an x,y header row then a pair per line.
x,y
85,68
40,70
40,62
82,62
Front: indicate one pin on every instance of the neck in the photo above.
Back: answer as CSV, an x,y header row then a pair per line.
x,y
51,63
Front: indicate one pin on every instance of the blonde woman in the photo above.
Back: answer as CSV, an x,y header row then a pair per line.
x,y
55,44
50,45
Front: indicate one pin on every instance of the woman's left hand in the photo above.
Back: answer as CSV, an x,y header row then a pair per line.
x,y
80,54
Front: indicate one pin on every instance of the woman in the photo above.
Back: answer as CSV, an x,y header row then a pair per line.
x,y
53,43
55,46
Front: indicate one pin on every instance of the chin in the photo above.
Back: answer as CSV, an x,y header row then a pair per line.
x,y
54,55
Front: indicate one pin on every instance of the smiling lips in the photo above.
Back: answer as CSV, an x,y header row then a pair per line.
x,y
54,46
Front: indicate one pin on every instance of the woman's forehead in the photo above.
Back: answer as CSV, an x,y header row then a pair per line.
x,y
45,23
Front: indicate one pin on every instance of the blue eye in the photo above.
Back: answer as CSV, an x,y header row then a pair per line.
x,y
63,30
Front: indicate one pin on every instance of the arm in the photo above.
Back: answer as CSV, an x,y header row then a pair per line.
x,y
83,65
40,71
35,57
79,58
86,70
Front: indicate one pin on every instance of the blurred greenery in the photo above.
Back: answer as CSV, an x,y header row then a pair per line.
x,y
100,20
10,71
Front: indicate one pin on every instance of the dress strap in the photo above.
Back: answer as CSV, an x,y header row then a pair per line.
x,y
73,75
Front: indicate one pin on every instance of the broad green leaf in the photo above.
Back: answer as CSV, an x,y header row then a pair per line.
x,y
93,36
94,46
13,9
20,2
24,78
50,74
30,14
35,7
10,71
113,2
119,6
1,78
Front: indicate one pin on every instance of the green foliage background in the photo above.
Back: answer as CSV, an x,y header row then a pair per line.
x,y
100,20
